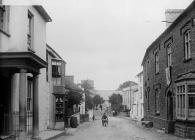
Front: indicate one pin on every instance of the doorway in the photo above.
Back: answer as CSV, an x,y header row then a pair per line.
x,y
169,106
5,106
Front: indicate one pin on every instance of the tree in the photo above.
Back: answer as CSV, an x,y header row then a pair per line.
x,y
116,102
97,100
126,84
88,95
74,97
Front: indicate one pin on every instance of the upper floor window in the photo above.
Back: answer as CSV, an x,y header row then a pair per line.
x,y
4,12
57,72
187,45
56,69
30,30
169,55
156,62
2,17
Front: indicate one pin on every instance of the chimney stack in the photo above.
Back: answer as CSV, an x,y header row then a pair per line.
x,y
171,15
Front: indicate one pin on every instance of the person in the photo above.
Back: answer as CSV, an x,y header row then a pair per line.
x,y
104,120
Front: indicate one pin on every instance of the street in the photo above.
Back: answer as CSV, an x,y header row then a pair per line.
x,y
117,129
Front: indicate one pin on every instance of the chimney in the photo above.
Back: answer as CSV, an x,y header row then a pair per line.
x,y
171,15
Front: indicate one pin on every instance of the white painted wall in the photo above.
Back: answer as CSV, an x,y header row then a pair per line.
x,y
17,42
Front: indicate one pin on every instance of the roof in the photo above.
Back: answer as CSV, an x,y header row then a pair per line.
x,y
186,77
175,22
43,13
52,51
140,73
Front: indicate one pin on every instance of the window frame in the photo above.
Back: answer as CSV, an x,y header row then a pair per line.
x,y
4,27
157,103
30,31
169,55
187,44
157,66
57,78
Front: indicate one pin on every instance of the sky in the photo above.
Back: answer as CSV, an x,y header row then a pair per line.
x,y
105,40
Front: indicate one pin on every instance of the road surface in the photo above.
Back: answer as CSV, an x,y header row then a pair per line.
x,y
117,129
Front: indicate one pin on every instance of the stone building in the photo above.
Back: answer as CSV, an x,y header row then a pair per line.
x,y
55,77
169,78
139,98
22,71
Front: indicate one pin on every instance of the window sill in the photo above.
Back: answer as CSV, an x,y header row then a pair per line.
x,y
5,33
187,60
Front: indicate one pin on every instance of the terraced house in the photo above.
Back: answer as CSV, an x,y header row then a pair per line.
x,y
22,71
169,77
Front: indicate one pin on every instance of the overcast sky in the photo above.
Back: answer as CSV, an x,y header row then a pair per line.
x,y
105,40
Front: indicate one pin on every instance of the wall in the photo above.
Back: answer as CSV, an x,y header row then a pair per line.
x,y
151,80
17,42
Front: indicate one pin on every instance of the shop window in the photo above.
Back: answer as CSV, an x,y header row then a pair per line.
x,y
185,101
59,108
191,101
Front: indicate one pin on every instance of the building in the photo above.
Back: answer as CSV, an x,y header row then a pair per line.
x,y
55,77
134,94
169,77
127,96
22,71
140,97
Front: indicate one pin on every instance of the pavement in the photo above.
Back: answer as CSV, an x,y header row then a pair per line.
x,y
50,134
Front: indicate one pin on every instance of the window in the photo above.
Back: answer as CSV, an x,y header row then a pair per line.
x,y
180,101
56,69
30,30
156,62
187,45
2,17
157,102
29,95
47,76
57,72
169,55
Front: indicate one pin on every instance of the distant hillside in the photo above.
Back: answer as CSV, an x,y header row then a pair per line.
x,y
105,93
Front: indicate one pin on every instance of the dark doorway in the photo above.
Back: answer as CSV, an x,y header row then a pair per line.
x,y
170,106
5,99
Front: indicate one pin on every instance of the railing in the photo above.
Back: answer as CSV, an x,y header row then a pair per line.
x,y
10,127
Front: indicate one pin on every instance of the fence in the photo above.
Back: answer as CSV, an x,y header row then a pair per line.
x,y
10,128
